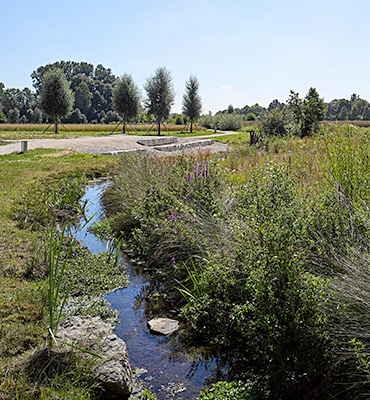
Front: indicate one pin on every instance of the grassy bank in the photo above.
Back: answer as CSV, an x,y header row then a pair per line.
x,y
265,253
35,189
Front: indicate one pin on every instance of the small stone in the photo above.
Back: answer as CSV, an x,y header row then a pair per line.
x,y
163,326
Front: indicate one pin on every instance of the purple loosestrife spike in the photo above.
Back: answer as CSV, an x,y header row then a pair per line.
x,y
173,262
189,177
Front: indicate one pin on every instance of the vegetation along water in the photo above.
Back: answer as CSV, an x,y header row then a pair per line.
x,y
261,253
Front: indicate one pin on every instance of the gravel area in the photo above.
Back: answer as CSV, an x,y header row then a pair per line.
x,y
107,144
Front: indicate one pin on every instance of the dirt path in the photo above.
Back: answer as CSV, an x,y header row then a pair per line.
x,y
106,144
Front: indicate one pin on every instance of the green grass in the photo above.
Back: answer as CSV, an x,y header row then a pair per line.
x,y
23,323
241,139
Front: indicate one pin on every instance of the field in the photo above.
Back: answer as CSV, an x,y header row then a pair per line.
x,y
36,131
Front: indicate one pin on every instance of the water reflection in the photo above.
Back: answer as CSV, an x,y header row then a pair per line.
x,y
172,368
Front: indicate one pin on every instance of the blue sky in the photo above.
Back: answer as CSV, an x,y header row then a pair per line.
x,y
242,52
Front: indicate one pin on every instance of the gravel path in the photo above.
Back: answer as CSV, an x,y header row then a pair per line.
x,y
106,144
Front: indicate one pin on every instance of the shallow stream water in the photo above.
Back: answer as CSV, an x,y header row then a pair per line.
x,y
164,364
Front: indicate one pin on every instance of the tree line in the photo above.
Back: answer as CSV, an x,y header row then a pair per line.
x,y
92,89
353,109
95,95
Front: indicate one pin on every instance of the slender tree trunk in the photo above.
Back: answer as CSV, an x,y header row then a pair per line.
x,y
124,127
56,127
191,126
159,127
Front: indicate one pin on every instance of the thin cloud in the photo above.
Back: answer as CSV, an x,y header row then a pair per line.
x,y
226,87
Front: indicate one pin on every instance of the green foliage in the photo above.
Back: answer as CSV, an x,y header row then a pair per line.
x,y
236,390
348,164
160,94
229,122
56,98
57,267
313,112
277,123
191,102
363,358
40,204
126,98
264,307
251,117
167,212
93,274
208,121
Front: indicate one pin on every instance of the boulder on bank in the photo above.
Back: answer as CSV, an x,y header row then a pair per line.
x,y
113,369
163,326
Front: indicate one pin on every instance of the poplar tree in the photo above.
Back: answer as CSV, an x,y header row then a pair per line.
x,y
160,95
191,101
126,99
56,98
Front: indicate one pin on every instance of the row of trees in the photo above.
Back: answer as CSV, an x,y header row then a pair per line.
x,y
337,110
57,98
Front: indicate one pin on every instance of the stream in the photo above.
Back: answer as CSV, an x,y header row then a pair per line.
x,y
163,363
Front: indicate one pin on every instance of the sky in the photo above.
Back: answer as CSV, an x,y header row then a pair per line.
x,y
242,52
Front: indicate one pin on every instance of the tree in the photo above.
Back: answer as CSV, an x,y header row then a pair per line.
x,y
126,99
275,104
191,101
313,112
230,109
56,98
295,105
343,113
83,97
160,95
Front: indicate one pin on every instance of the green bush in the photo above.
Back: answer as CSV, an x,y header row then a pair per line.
x,y
277,123
229,122
236,390
207,121
264,308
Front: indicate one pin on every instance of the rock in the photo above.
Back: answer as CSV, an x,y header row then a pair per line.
x,y
163,326
91,333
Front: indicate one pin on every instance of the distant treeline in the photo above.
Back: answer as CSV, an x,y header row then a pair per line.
x,y
337,110
92,88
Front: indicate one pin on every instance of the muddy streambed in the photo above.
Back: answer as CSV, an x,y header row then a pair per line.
x,y
163,363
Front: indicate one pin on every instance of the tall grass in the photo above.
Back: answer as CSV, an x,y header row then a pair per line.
x,y
57,267
348,162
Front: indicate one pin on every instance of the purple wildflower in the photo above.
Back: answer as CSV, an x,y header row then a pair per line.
x,y
173,262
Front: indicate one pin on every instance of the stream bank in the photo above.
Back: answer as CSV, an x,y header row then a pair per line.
x,y
165,365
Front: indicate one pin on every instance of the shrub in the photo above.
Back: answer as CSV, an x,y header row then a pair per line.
x,y
251,117
167,211
264,308
236,390
207,121
277,123
227,122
